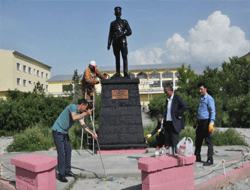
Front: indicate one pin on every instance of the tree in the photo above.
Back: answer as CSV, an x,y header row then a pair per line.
x,y
77,90
235,77
38,89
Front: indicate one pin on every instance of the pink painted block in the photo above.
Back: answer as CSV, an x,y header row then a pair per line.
x,y
35,171
164,176
167,172
150,164
34,162
123,151
184,184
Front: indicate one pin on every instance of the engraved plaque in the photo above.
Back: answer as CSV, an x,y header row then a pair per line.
x,y
120,94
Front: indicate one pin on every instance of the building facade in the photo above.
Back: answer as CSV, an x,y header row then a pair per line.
x,y
18,71
152,79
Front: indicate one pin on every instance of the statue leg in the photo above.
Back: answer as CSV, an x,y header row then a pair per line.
x,y
125,59
116,50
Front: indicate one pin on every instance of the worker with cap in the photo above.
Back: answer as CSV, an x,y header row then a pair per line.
x,y
89,80
160,138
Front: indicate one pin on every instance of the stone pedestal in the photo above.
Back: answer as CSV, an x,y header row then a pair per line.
x,y
120,124
167,172
35,172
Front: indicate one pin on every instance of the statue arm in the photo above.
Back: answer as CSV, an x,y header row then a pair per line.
x,y
128,31
110,36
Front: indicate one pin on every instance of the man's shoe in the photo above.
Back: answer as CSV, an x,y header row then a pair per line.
x,y
209,162
198,159
62,179
71,174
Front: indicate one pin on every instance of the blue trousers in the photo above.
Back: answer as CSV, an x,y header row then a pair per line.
x,y
63,148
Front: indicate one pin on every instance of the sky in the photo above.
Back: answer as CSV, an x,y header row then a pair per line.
x,y
67,35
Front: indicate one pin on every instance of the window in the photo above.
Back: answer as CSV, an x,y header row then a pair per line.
x,y
42,74
24,82
18,81
30,82
18,66
177,74
37,73
34,71
47,87
132,76
42,86
34,83
142,75
167,74
47,76
67,88
167,82
24,68
155,84
154,75
30,70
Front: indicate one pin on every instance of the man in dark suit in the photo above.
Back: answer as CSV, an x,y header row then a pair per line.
x,y
173,119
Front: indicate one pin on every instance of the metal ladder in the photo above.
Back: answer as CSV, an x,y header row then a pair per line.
x,y
93,123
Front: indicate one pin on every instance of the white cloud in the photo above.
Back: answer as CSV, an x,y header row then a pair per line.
x,y
146,56
211,41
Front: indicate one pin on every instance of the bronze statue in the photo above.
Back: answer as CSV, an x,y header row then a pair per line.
x,y
118,31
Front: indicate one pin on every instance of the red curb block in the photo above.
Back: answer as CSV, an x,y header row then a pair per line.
x,y
225,180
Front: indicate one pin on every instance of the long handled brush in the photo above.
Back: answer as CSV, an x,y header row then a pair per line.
x,y
106,178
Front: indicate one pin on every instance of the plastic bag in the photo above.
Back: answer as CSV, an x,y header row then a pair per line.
x,y
185,147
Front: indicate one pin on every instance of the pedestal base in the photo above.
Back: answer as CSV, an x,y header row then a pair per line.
x,y
120,125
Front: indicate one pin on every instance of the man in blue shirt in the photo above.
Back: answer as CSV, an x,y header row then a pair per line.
x,y
205,120
64,122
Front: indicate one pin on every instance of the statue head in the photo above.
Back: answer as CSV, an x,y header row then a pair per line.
x,y
118,12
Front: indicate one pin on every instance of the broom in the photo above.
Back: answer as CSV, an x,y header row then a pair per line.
x,y
106,178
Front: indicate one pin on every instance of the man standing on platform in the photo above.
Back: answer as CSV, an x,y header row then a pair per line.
x,y
118,31
89,80
66,119
205,120
173,121
160,138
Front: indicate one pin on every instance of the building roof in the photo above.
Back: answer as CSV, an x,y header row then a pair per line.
x,y
27,57
142,67
60,78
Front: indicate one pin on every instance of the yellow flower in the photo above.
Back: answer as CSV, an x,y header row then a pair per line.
x,y
38,142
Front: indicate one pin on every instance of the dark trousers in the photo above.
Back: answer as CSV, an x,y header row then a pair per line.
x,y
63,148
171,136
203,133
160,139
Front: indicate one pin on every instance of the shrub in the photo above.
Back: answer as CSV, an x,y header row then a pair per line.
x,y
32,139
228,137
23,110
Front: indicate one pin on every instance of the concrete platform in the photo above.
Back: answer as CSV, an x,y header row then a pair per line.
x,y
124,167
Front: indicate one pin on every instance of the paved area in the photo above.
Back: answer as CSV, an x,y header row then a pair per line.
x,y
146,120
124,167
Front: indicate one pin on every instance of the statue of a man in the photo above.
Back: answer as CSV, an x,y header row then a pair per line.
x,y
118,31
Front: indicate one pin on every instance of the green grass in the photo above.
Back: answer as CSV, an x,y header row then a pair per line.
x,y
80,176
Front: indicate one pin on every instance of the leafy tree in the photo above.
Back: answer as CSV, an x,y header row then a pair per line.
x,y
235,77
39,90
77,90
